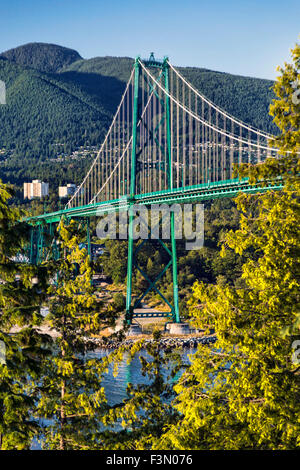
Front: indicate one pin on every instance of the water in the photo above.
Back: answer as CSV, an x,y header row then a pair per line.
x,y
115,387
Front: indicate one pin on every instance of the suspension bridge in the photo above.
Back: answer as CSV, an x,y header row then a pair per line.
x,y
167,143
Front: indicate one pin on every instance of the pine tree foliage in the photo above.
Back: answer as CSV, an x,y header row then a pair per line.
x,y
23,349
148,406
72,397
243,393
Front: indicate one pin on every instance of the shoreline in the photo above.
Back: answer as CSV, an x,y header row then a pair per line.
x,y
165,342
184,341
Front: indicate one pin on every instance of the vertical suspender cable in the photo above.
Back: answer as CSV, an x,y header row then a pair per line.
x,y
183,139
171,74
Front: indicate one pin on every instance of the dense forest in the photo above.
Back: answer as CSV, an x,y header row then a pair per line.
x,y
57,102
41,56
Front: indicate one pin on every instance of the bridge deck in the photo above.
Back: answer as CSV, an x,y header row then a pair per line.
x,y
189,194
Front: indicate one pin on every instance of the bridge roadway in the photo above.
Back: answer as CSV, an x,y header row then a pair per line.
x,y
188,194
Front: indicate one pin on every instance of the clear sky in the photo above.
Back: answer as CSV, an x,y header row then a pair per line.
x,y
246,37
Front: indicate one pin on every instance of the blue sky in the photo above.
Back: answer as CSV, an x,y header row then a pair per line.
x,y
242,37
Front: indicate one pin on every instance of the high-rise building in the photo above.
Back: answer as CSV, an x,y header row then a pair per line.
x,y
36,188
65,191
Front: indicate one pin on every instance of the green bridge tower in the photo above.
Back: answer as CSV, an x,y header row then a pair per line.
x,y
163,78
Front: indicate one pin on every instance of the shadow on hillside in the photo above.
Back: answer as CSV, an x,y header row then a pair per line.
x,y
107,91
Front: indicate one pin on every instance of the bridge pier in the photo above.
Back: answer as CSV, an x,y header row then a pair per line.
x,y
41,243
179,328
152,284
134,330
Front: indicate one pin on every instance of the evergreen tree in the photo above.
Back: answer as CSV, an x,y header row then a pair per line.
x,y
148,406
243,393
23,349
71,394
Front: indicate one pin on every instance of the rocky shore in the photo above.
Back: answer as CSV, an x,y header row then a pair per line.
x,y
165,342
189,341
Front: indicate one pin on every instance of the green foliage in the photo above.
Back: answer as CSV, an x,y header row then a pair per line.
x,y
71,394
115,260
119,301
44,110
243,393
41,56
148,406
20,302
285,108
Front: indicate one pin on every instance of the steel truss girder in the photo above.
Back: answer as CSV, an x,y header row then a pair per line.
x,y
153,283
41,238
197,193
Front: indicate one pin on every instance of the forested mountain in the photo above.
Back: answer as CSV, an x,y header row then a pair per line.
x,y
246,98
57,101
41,56
44,109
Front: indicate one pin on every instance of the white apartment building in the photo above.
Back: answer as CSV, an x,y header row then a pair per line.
x,y
36,188
65,191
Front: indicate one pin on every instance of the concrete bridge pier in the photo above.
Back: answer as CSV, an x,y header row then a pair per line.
x,y
134,330
178,328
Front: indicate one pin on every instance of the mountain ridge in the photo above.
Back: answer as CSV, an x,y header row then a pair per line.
x,y
44,57
52,113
